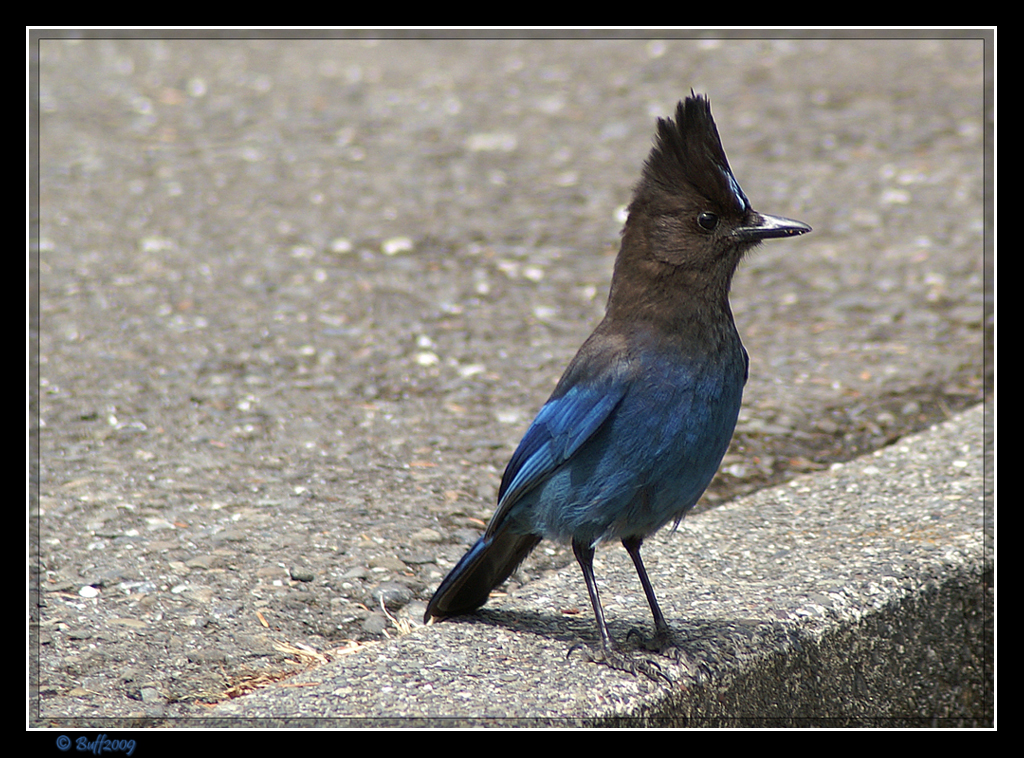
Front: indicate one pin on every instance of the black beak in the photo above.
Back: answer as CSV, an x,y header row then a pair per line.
x,y
768,227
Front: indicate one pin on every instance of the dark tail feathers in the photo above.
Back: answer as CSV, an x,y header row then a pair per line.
x,y
489,563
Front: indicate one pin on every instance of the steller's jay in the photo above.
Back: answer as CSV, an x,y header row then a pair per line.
x,y
637,425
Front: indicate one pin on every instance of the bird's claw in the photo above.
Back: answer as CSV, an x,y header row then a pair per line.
x,y
620,662
662,643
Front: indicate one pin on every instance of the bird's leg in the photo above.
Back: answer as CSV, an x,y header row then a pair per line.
x,y
609,657
663,642
662,633
585,557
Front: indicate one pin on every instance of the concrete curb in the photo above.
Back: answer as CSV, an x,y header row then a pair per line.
x,y
861,595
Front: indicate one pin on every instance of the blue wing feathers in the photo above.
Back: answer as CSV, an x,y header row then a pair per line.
x,y
561,427
611,431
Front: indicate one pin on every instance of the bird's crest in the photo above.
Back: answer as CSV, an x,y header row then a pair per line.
x,y
688,152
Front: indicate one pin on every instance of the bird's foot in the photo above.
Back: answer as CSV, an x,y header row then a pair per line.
x,y
621,662
664,644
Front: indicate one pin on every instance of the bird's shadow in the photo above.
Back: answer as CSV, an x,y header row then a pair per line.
x,y
696,643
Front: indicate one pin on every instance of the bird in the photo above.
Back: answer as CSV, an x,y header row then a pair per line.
x,y
640,420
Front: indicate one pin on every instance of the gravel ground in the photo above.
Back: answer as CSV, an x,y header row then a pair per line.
x,y
299,299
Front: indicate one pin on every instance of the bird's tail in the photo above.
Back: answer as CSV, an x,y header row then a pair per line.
x,y
487,564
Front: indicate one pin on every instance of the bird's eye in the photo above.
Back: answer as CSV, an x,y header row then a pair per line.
x,y
707,220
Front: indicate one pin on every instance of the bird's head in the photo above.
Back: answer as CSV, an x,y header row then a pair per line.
x,y
688,205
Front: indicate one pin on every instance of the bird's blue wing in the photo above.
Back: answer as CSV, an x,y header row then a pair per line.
x,y
561,427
